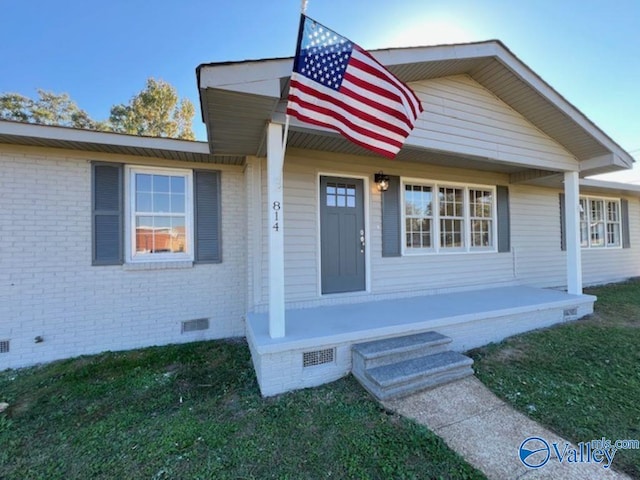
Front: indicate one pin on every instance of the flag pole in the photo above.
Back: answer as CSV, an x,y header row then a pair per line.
x,y
286,133
275,195
285,136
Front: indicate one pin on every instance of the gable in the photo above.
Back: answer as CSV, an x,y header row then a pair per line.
x,y
461,116
237,99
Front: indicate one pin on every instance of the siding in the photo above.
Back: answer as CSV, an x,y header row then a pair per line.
x,y
535,258
615,264
535,236
539,261
461,116
397,276
49,288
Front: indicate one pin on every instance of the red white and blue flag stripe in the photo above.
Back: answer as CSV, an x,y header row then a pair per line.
x,y
337,85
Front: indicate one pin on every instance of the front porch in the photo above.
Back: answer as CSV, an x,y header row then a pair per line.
x,y
316,347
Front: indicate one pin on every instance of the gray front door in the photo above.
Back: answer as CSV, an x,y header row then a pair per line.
x,y
342,234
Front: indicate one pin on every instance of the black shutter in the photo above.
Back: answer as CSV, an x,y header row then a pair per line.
x,y
504,226
391,216
208,248
107,216
626,237
563,225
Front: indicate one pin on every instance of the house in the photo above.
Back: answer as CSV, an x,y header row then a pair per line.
x,y
487,227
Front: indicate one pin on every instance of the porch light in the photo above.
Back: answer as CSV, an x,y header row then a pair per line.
x,y
382,181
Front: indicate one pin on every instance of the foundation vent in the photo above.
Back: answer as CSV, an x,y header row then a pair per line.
x,y
195,325
571,313
4,346
318,357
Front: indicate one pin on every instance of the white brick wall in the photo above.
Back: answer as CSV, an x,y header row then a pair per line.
x,y
48,287
284,371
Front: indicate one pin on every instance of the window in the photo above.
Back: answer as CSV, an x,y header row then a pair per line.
x,y
451,217
600,223
584,222
613,223
418,216
481,215
596,223
154,214
458,218
160,214
341,195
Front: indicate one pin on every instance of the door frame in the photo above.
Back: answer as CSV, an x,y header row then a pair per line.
x,y
367,235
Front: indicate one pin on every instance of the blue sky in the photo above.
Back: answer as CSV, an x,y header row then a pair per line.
x,y
101,53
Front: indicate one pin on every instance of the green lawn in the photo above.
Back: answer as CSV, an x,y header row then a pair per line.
x,y
194,411
581,379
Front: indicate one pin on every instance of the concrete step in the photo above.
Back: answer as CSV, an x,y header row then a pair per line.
x,y
408,370
391,350
406,377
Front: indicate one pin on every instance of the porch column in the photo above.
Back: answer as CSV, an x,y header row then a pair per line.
x,y
275,162
572,225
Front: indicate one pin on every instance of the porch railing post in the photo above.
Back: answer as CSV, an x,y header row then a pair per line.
x,y
275,223
572,222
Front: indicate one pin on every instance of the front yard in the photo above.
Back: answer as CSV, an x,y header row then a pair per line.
x,y
194,411
581,379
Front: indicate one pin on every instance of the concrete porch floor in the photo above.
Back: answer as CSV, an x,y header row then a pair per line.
x,y
308,327
470,318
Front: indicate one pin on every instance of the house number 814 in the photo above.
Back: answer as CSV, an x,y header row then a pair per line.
x,y
276,209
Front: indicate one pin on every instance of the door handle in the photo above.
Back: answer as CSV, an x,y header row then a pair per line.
x,y
362,242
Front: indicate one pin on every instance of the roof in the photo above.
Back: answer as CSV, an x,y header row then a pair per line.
x,y
17,133
238,98
606,187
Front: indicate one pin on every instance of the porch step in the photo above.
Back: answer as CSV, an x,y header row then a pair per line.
x,y
408,364
391,350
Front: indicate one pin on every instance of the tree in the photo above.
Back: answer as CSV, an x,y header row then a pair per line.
x,y
49,109
156,112
14,106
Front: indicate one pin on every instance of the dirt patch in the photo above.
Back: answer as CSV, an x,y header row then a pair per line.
x,y
509,354
19,408
612,319
628,324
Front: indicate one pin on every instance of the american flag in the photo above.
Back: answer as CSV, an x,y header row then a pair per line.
x,y
338,85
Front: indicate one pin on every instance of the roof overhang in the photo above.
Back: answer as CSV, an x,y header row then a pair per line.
x,y
588,185
16,133
239,98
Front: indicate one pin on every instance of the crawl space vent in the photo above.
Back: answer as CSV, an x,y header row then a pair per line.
x,y
571,313
195,325
4,346
318,357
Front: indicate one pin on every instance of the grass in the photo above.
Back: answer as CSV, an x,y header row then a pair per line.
x,y
194,411
580,379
